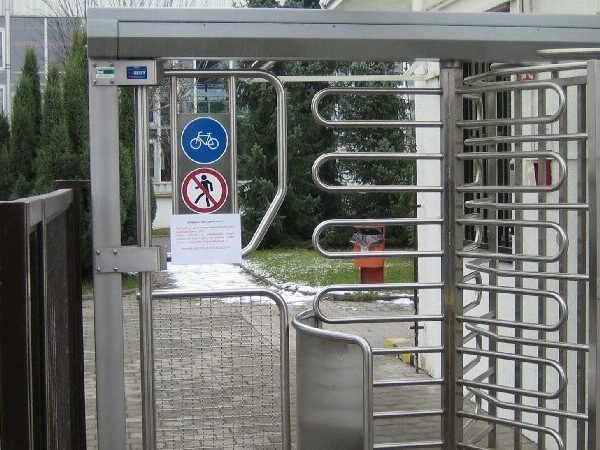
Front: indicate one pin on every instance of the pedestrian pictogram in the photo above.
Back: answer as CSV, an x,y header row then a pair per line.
x,y
204,140
204,190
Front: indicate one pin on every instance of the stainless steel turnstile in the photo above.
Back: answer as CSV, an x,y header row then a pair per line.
x,y
510,303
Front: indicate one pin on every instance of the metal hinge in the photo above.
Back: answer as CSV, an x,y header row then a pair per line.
x,y
130,259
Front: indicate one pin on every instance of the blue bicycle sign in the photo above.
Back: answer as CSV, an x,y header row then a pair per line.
x,y
204,140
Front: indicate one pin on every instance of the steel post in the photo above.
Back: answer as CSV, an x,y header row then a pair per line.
x,y
108,305
144,222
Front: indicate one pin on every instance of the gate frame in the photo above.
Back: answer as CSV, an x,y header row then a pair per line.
x,y
121,33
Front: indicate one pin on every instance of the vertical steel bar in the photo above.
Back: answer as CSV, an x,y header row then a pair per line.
x,y
452,207
593,131
108,304
491,112
144,222
518,246
233,137
582,251
542,267
174,145
563,263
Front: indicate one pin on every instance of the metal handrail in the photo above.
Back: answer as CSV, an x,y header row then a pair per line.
x,y
277,201
562,308
395,156
562,238
373,287
510,86
479,265
562,377
372,123
562,172
373,254
493,140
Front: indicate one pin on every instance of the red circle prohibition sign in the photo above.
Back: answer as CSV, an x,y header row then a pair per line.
x,y
204,190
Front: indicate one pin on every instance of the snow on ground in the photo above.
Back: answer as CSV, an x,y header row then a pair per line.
x,y
228,276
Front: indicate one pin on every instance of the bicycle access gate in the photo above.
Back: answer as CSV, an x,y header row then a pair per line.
x,y
515,151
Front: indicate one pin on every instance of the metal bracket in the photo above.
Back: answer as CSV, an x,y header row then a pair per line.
x,y
113,72
130,259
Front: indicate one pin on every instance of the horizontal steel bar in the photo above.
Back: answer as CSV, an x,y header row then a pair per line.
x,y
510,86
408,445
562,377
532,409
562,306
372,156
525,341
373,222
493,140
407,414
562,171
374,288
484,204
479,265
372,123
400,350
515,423
404,383
501,69
563,240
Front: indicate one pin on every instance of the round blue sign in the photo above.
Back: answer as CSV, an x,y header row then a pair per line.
x,y
204,140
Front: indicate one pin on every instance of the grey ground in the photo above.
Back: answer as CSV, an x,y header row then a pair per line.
x,y
216,371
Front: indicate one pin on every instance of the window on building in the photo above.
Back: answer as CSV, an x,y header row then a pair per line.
x,y
2,48
3,98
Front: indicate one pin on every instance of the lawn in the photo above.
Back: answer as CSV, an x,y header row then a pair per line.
x,y
308,267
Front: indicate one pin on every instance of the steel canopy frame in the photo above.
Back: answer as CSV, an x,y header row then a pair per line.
x,y
276,34
279,34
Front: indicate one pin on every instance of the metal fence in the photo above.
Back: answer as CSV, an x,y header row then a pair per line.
x,y
221,369
41,354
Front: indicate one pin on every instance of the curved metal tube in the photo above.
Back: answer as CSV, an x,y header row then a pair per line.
x,y
532,409
524,341
479,265
493,140
510,86
485,204
562,172
364,346
562,377
512,423
372,123
277,201
562,308
478,281
374,287
499,70
370,222
372,156
284,339
563,240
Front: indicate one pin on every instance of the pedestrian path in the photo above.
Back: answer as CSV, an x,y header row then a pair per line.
x,y
216,365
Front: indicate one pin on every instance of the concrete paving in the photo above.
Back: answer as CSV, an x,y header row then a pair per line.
x,y
217,366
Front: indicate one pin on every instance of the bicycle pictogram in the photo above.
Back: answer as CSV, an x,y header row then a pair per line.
x,y
204,139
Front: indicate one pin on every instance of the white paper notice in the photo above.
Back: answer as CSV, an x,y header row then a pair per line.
x,y
206,239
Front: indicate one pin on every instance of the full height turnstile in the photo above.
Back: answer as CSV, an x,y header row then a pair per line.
x,y
511,306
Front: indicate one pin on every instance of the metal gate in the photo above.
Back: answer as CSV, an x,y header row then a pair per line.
x,y
509,305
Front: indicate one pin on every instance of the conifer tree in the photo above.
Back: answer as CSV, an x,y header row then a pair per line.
x,y
76,102
26,124
5,174
54,160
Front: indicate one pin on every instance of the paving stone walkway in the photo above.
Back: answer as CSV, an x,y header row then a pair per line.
x,y
216,365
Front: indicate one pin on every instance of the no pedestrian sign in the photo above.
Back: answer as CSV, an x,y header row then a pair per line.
x,y
204,140
204,190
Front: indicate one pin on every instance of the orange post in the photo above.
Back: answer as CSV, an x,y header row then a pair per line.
x,y
371,269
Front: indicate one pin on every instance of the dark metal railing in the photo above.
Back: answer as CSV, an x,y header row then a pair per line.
x,y
41,338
